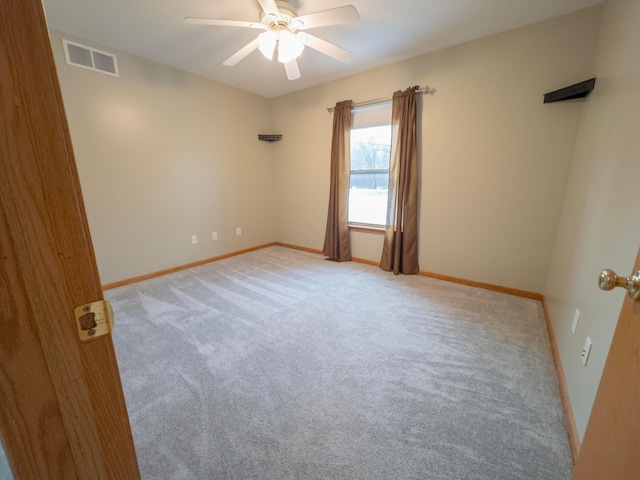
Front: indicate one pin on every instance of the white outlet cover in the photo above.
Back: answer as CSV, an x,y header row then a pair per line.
x,y
194,239
586,350
214,235
238,231
576,319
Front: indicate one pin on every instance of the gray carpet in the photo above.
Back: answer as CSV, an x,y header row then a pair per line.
x,y
278,364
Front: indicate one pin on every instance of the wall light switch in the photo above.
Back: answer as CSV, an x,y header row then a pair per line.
x,y
586,350
576,319
194,239
214,235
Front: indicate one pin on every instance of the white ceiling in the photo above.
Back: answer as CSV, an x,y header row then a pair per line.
x,y
388,31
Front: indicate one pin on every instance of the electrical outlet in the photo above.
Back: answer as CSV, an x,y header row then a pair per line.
x,y
194,239
586,350
238,231
576,319
214,235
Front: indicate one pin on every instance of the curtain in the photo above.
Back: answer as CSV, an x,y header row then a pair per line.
x,y
337,244
400,247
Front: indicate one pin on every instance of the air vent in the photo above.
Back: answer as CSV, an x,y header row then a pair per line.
x,y
90,58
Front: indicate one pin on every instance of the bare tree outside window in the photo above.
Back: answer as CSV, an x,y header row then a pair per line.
x,y
370,154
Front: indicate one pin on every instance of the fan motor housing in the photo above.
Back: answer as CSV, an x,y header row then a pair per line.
x,y
285,17
286,9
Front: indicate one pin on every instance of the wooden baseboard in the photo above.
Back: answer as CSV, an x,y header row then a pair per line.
x,y
447,278
366,261
572,431
485,286
166,271
471,283
297,247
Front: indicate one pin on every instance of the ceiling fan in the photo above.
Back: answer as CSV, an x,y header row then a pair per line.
x,y
283,28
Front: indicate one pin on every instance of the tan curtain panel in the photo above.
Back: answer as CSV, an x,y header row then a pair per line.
x,y
400,248
337,244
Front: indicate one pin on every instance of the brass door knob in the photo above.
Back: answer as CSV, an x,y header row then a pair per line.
x,y
608,280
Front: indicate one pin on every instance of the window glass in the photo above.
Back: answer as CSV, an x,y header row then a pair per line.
x,y
369,181
370,154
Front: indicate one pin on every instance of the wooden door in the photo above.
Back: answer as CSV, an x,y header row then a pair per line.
x,y
62,411
611,446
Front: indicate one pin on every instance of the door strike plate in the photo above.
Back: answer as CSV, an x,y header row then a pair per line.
x,y
93,320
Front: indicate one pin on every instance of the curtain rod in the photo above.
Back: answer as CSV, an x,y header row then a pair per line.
x,y
378,101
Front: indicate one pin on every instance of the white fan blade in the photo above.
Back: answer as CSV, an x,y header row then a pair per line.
x,y
240,54
269,7
333,16
334,51
293,72
223,23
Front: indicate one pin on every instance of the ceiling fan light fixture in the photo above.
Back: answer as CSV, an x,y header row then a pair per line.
x,y
281,24
290,46
267,43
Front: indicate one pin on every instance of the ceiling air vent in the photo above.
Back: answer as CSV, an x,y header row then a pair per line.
x,y
90,58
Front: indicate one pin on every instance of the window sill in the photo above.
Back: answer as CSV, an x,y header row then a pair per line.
x,y
366,228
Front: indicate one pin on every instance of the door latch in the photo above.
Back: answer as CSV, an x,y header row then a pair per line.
x,y
93,320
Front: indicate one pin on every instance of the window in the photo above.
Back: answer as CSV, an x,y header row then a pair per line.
x,y
370,155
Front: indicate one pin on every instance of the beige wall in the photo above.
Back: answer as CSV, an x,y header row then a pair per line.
x,y
600,224
495,159
163,154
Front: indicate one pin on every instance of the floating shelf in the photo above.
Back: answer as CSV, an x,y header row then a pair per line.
x,y
269,137
579,90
